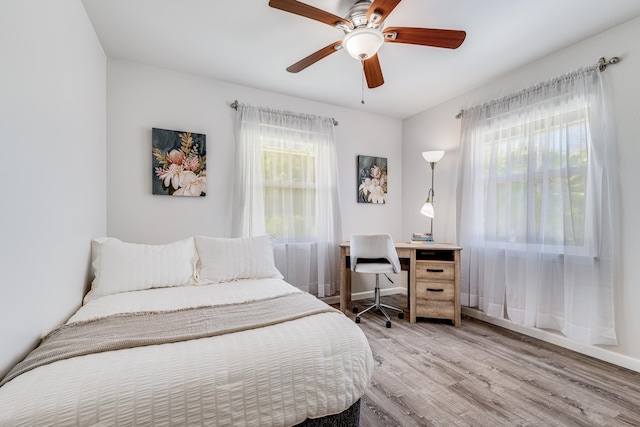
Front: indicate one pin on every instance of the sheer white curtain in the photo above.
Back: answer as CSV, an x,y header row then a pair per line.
x,y
537,208
286,184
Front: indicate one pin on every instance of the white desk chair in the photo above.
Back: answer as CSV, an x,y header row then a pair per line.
x,y
374,254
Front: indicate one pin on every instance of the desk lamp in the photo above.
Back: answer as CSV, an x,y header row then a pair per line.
x,y
432,157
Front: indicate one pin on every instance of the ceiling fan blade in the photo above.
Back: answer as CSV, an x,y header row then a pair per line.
x,y
382,8
373,72
450,39
315,57
302,9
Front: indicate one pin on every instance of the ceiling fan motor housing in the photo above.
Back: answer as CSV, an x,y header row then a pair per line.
x,y
357,15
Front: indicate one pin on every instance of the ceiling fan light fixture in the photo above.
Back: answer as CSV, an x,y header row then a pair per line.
x,y
363,42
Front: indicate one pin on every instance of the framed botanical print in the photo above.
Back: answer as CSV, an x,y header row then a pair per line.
x,y
179,163
372,179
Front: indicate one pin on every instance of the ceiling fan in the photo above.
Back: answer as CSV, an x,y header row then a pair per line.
x,y
365,34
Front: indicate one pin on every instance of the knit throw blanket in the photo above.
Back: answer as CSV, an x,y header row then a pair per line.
x,y
138,329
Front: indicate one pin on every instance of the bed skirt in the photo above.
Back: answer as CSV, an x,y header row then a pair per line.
x,y
350,417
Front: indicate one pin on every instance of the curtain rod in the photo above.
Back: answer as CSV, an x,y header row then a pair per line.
x,y
235,105
601,64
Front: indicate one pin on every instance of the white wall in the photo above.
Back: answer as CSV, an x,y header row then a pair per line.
x,y
53,174
437,128
140,97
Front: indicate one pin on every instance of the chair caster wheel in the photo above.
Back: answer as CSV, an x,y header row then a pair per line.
x,y
401,315
358,319
355,309
388,324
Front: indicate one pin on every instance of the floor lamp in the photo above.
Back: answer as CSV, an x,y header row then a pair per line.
x,y
432,157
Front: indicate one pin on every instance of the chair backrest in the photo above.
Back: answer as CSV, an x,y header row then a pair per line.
x,y
373,246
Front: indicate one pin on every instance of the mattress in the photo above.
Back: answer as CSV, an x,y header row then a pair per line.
x,y
276,375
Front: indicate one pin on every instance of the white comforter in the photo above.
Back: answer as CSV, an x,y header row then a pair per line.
x,y
277,375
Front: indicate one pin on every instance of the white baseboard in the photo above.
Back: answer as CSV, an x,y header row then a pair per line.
x,y
600,353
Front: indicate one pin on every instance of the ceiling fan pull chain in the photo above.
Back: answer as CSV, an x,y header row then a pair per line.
x,y
362,79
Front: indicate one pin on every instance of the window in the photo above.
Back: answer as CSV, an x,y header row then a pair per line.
x,y
289,180
286,184
535,176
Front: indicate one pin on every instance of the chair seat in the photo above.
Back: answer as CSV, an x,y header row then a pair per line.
x,y
375,254
374,267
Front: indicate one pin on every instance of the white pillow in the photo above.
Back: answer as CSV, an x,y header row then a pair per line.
x,y
226,259
121,267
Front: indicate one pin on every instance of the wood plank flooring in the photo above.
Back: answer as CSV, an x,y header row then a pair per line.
x,y
432,374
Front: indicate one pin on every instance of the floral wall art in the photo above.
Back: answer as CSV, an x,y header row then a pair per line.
x,y
179,163
372,179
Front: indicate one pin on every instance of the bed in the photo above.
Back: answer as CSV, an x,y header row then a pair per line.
x,y
199,332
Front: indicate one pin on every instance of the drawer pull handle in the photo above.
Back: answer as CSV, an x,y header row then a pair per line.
x,y
434,290
435,270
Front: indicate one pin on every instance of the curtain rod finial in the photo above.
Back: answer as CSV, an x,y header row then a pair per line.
x,y
602,62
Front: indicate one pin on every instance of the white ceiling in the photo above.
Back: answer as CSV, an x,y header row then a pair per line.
x,y
251,44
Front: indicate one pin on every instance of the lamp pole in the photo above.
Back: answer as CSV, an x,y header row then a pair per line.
x,y
432,157
432,193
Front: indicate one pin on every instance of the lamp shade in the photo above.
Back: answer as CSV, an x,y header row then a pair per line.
x,y
433,156
427,210
363,42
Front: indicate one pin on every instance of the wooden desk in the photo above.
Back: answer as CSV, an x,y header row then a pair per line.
x,y
434,279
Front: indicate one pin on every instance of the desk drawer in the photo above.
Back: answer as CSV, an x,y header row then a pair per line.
x,y
435,270
435,309
435,291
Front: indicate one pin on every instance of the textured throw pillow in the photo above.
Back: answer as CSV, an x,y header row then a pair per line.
x,y
121,267
226,259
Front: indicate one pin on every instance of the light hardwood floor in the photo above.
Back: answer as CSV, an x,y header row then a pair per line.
x,y
432,374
